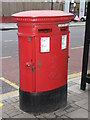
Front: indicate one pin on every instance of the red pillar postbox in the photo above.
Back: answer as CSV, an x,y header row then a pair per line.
x,y
43,59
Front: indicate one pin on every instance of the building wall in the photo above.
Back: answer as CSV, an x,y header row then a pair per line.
x,y
8,8
81,8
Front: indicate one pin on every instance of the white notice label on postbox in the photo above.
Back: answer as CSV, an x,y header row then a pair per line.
x,y
45,44
64,42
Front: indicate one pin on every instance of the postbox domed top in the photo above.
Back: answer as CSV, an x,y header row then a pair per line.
x,y
43,16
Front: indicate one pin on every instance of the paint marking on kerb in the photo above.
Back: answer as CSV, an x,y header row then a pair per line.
x,y
10,83
9,93
1,104
74,75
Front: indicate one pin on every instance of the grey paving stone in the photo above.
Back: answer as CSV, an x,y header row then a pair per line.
x,y
60,112
40,116
49,115
0,111
17,98
76,88
7,107
83,103
24,115
4,115
13,112
8,100
15,104
64,117
75,98
70,83
4,102
14,99
70,102
85,94
80,113
71,108
76,80
70,92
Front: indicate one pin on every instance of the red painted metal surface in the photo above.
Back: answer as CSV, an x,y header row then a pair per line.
x,y
43,62
43,16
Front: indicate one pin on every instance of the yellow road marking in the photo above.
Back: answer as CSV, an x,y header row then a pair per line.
x,y
74,75
9,93
1,104
10,83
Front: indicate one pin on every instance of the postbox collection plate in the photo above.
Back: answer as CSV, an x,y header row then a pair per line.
x,y
64,42
45,44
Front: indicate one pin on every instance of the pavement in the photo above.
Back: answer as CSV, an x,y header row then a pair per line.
x,y
78,100
77,106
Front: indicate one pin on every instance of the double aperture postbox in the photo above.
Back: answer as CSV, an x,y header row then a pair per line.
x,y
43,59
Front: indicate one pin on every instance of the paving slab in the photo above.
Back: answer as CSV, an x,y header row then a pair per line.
x,y
8,107
80,113
40,116
24,115
76,80
75,98
60,112
63,116
4,115
49,115
76,107
76,89
71,83
71,107
83,103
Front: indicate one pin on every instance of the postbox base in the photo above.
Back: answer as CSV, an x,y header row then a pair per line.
x,y
43,101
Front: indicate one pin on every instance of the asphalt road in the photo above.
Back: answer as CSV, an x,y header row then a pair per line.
x,y
10,40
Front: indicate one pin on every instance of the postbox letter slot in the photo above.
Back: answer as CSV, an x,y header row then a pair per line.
x,y
46,30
